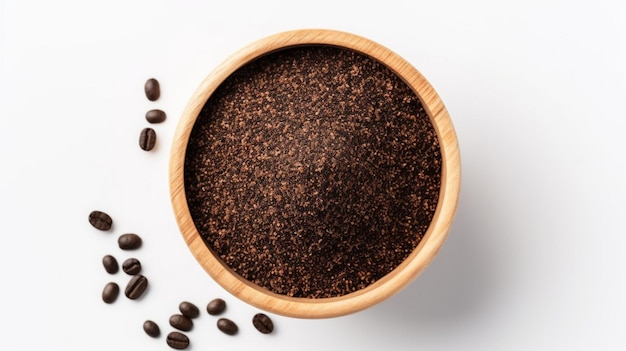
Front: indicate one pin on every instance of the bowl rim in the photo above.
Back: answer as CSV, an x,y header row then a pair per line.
x,y
391,283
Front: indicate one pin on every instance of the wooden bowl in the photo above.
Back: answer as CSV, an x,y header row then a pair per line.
x,y
383,288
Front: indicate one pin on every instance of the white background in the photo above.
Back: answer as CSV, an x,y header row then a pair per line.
x,y
536,89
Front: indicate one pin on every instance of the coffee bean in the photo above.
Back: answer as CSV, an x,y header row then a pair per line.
x,y
155,116
188,309
151,328
129,241
136,286
178,341
216,306
147,139
152,89
100,220
110,292
263,323
181,322
110,264
131,266
227,326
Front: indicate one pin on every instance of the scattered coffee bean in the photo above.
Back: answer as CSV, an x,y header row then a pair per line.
x,y
216,306
178,341
181,322
129,241
155,116
151,328
227,326
136,286
147,139
263,323
100,220
152,89
188,309
131,266
110,292
110,264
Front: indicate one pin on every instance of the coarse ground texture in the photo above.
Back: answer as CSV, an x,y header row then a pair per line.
x,y
313,171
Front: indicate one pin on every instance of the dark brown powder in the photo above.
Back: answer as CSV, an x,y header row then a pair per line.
x,y
313,171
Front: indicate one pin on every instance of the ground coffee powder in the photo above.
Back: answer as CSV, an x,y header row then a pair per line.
x,y
313,171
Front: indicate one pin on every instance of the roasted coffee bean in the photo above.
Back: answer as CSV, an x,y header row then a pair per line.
x,y
227,326
100,220
216,306
147,139
188,309
110,264
110,292
181,322
152,89
178,341
129,241
263,323
151,328
155,116
136,286
131,266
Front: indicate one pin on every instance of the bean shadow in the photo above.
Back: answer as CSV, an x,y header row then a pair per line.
x,y
462,278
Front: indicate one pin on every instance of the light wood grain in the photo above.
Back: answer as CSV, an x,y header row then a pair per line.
x,y
388,285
